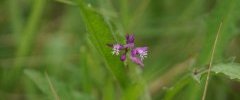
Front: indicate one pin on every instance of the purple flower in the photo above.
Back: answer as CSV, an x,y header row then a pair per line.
x,y
137,54
130,46
137,61
141,51
129,41
116,49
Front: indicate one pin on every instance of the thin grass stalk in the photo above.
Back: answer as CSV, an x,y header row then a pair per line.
x,y
210,62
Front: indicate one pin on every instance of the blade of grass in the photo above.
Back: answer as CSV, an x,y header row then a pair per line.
x,y
29,31
210,62
51,87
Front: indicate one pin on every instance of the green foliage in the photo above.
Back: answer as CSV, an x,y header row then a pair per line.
x,y
58,48
29,31
225,12
39,80
69,2
100,35
63,91
43,84
170,94
232,70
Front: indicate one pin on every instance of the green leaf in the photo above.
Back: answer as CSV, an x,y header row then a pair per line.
x,y
230,69
100,35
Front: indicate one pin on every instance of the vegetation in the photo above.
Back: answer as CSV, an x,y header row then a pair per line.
x,y
59,50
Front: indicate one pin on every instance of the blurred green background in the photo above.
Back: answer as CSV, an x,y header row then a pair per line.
x,y
55,49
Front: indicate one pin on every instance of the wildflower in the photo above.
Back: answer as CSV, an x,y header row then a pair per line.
x,y
135,53
129,38
116,49
142,51
129,41
137,61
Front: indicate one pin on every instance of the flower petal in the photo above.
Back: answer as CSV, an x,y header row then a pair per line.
x,y
133,52
141,49
116,49
129,45
137,61
123,57
129,38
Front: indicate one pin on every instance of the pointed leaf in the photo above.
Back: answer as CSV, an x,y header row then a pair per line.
x,y
100,35
230,69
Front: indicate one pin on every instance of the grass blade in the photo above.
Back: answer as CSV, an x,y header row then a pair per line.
x,y
210,63
51,87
